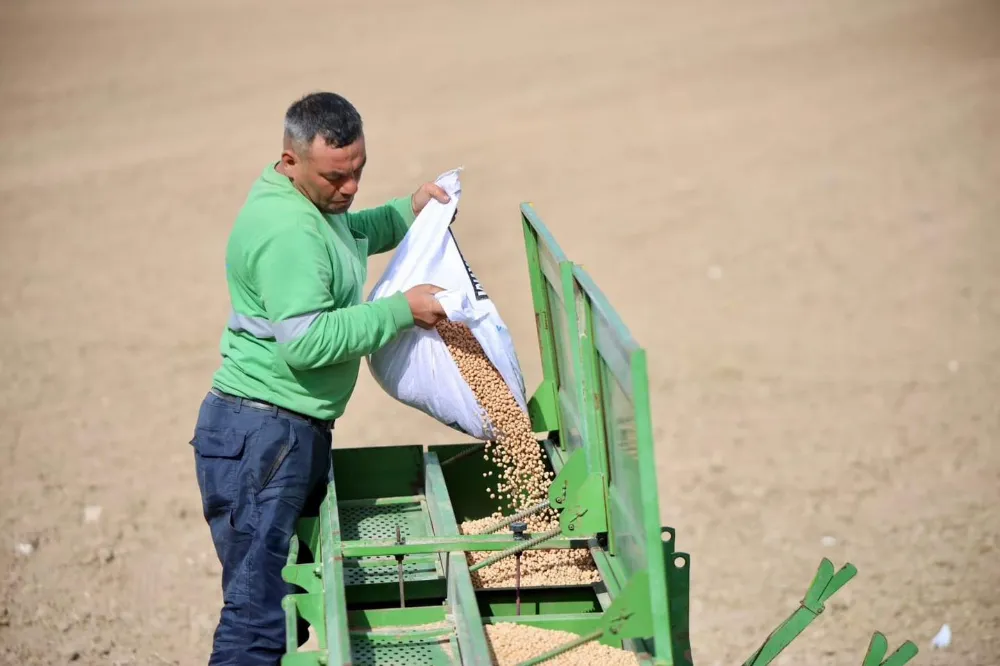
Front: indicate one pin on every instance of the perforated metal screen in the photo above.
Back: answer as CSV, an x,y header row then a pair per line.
x,y
419,652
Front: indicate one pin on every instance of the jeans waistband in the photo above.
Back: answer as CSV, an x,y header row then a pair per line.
x,y
267,406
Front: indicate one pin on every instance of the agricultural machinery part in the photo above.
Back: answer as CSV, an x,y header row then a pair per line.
x,y
382,575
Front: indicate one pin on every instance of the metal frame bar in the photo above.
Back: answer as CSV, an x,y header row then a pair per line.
x,y
380,501
447,544
543,407
461,598
335,603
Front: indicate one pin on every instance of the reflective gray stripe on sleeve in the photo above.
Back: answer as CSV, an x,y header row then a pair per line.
x,y
255,326
286,330
293,328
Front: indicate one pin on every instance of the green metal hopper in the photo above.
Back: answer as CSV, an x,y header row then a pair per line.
x,y
382,574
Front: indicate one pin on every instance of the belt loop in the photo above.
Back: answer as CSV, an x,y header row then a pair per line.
x,y
274,411
239,404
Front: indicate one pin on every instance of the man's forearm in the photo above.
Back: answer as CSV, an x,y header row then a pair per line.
x,y
335,336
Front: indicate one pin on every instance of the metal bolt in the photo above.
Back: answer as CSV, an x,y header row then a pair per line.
x,y
518,528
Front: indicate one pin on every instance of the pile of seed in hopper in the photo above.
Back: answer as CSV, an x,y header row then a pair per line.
x,y
519,478
513,643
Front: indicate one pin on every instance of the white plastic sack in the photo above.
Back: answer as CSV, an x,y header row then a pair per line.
x,y
416,367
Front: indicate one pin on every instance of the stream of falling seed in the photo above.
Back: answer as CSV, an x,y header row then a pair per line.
x,y
518,478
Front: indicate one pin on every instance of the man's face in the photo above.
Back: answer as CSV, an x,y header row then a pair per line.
x,y
328,176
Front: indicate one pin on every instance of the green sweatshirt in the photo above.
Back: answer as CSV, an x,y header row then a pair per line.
x,y
298,328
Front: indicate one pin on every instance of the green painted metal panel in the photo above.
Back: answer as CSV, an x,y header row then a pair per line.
x,y
576,623
633,498
399,471
464,478
496,603
549,270
377,618
386,595
586,359
535,237
567,388
625,493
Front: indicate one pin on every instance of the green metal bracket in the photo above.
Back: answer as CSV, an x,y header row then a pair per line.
x,y
542,408
585,513
879,646
307,576
580,497
630,615
824,585
310,607
568,480
678,569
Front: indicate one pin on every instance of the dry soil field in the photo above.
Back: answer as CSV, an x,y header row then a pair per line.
x,y
795,205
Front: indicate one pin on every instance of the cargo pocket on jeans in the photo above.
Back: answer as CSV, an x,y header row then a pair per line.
x,y
219,453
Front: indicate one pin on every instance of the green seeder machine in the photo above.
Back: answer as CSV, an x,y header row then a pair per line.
x,y
381,573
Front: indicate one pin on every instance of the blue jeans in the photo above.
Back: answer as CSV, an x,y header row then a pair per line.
x,y
258,472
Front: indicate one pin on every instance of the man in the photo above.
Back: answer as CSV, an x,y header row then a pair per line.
x,y
296,263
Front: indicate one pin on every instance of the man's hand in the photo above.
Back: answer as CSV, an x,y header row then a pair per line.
x,y
427,310
424,194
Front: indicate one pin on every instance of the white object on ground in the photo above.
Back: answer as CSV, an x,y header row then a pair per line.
x,y
92,513
943,638
24,549
416,368
828,541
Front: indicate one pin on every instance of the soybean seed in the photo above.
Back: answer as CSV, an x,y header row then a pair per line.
x,y
520,461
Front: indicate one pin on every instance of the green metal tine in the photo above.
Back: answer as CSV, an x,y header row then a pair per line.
x,y
879,646
823,586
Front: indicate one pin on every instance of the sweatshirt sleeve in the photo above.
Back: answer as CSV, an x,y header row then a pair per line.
x,y
293,272
385,225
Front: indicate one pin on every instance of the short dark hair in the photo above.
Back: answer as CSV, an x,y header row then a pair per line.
x,y
324,113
